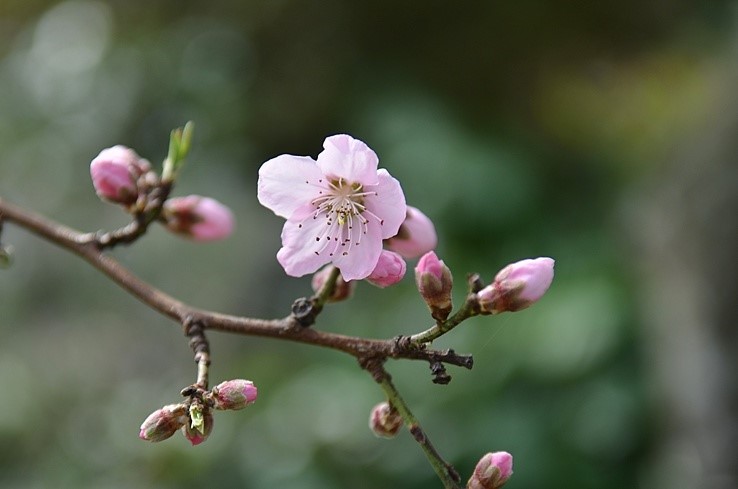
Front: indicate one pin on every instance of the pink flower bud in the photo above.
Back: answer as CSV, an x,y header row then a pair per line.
x,y
193,433
385,421
342,291
199,218
234,394
417,235
492,471
389,270
517,286
163,423
434,281
115,173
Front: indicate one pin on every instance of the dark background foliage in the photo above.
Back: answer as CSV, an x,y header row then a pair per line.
x,y
599,133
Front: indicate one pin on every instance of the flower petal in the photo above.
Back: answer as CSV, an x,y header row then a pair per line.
x,y
303,247
388,203
286,182
363,254
350,159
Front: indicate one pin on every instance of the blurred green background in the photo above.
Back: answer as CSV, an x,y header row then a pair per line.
x,y
602,134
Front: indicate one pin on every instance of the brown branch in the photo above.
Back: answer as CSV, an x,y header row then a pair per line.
x,y
289,328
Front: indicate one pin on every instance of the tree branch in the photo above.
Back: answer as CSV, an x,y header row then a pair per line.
x,y
289,328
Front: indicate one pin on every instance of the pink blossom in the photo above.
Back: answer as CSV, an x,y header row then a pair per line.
x,y
234,394
434,281
417,235
163,423
115,173
338,208
517,286
492,471
199,218
389,270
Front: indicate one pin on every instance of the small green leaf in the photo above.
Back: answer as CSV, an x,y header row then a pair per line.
x,y
6,256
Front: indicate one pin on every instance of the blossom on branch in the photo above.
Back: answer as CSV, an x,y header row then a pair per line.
x,y
389,270
417,235
338,208
517,286
198,218
115,173
492,471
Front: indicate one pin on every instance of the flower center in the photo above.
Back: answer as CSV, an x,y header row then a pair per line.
x,y
341,204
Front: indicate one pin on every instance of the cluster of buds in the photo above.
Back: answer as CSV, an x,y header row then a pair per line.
x,y
121,176
194,417
492,471
517,286
385,421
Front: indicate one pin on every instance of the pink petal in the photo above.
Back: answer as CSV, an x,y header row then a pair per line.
x,y
388,203
417,235
301,252
286,182
363,257
348,158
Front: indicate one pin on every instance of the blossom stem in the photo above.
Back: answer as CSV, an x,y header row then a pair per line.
x,y
445,471
469,309
326,291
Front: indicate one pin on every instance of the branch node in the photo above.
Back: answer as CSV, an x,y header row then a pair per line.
x,y
304,311
375,366
440,376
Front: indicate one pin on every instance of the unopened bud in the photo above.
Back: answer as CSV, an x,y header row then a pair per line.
x,y
417,235
492,471
342,290
115,173
200,425
163,423
389,270
234,394
517,286
385,421
199,218
434,281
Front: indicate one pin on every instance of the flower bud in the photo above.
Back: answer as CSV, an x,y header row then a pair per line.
x,y
417,235
517,286
115,173
200,425
163,423
434,282
234,394
385,421
199,218
389,270
492,471
342,291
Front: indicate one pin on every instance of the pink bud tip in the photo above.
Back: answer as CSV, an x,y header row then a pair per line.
x,y
163,423
417,235
389,270
492,471
234,394
434,281
199,218
385,421
194,435
517,286
115,173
